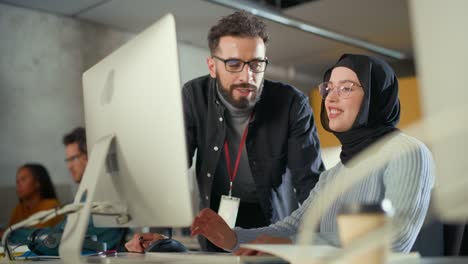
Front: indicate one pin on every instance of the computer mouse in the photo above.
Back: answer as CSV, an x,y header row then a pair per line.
x,y
166,245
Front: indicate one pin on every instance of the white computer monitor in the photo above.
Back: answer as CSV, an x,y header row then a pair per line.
x,y
135,136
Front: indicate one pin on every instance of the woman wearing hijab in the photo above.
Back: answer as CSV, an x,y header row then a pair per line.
x,y
360,105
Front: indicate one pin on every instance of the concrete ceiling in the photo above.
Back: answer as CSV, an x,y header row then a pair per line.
x,y
381,22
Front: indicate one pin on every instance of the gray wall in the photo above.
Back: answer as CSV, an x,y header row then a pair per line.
x,y
42,58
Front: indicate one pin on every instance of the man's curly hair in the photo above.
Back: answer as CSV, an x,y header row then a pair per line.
x,y
238,24
77,135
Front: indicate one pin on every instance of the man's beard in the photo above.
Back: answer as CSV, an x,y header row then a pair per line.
x,y
243,102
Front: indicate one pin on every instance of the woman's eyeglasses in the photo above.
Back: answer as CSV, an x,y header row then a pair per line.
x,y
344,89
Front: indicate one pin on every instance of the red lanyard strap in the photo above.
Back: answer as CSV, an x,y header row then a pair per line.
x,y
233,173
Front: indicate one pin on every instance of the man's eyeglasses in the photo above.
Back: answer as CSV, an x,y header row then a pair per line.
x,y
73,158
236,65
343,89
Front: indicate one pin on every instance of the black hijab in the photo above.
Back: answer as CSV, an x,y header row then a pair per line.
x,y
380,109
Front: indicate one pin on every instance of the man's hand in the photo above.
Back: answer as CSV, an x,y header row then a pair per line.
x,y
141,241
262,239
210,225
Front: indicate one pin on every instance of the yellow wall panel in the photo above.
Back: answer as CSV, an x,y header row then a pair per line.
x,y
410,101
327,139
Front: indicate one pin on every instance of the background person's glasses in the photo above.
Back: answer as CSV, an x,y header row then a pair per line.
x,y
73,158
343,89
236,65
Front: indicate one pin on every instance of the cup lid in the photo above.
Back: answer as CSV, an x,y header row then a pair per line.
x,y
384,207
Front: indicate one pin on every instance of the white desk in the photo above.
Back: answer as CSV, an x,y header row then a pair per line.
x,y
141,258
159,258
443,260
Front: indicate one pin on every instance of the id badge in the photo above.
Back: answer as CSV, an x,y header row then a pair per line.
x,y
228,208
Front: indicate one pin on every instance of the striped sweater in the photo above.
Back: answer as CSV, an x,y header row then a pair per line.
x,y
406,181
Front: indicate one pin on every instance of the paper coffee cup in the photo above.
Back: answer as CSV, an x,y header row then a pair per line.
x,y
355,220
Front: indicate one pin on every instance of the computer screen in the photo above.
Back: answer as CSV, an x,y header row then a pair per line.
x,y
135,136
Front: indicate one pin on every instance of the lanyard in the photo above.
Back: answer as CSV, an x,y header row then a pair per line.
x,y
233,173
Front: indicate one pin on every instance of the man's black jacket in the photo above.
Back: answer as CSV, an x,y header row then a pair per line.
x,y
282,144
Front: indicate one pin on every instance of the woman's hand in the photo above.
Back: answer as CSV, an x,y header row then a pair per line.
x,y
140,241
262,239
210,225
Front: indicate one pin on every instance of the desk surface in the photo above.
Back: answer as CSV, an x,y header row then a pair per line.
x,y
441,260
445,260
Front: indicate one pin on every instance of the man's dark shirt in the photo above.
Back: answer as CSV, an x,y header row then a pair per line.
x,y
282,144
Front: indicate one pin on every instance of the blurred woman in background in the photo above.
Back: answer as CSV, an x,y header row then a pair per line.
x,y
35,193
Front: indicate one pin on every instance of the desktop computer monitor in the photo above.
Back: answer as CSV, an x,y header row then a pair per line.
x,y
136,138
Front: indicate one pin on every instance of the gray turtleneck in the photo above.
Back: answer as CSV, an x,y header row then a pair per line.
x,y
236,122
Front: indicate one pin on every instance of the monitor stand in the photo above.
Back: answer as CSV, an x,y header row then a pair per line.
x,y
77,223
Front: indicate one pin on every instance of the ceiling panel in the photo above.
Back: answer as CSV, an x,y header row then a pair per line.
x,y
193,17
67,8
381,22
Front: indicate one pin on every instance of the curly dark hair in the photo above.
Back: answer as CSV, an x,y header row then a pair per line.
x,y
238,24
77,135
41,175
